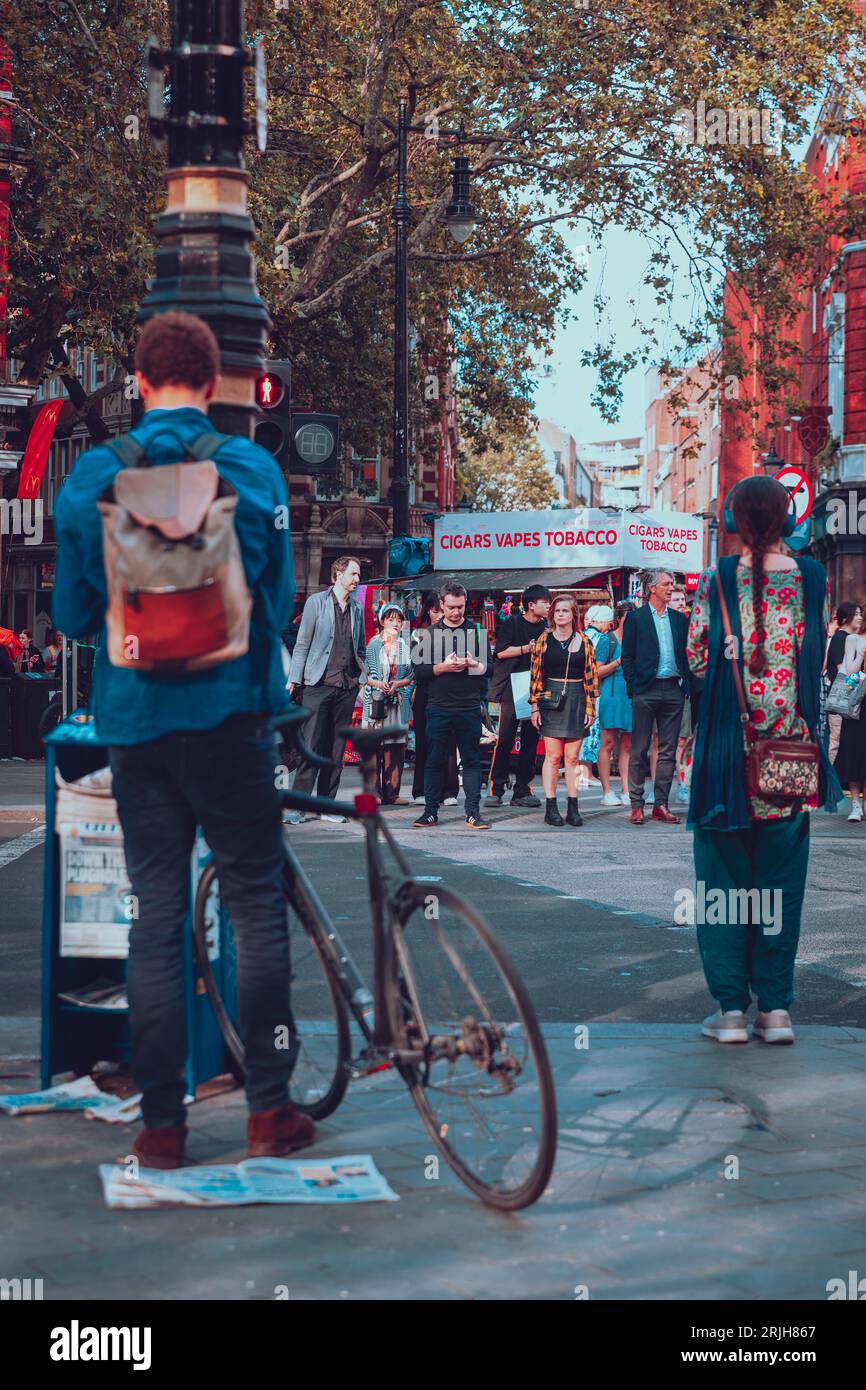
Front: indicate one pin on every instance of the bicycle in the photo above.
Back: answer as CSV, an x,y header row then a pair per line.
x,y
448,1011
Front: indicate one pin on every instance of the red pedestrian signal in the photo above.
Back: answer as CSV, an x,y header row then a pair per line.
x,y
269,391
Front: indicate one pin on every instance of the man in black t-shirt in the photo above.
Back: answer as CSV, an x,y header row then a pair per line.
x,y
514,646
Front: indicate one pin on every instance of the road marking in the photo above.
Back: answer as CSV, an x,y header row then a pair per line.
x,y
13,849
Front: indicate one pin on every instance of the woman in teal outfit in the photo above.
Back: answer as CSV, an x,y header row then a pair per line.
x,y
778,614
614,708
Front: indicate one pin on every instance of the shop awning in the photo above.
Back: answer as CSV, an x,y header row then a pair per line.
x,y
512,581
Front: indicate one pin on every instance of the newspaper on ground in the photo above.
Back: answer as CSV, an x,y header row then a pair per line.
x,y
82,1094
354,1178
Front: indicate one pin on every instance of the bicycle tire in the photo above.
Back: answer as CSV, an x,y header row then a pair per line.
x,y
50,717
235,1060
415,897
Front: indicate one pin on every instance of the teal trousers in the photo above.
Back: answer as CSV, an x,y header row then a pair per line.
x,y
748,944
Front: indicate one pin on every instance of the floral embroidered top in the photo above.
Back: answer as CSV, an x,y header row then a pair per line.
x,y
771,697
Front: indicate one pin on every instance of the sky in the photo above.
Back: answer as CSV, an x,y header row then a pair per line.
x,y
565,387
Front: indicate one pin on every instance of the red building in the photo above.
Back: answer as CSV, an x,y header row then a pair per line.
x,y
830,367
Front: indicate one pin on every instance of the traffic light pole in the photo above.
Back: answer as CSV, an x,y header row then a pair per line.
x,y
204,264
402,214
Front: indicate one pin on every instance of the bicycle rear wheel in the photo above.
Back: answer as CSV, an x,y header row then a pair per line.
x,y
485,1090
320,1074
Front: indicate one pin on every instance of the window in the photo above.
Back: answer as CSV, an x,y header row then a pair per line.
x,y
834,327
714,479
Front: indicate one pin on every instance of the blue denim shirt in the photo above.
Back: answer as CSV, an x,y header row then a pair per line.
x,y
667,656
129,706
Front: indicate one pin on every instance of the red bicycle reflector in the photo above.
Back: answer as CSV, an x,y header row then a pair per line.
x,y
366,804
269,391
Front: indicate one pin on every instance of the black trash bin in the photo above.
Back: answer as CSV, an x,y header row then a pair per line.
x,y
31,693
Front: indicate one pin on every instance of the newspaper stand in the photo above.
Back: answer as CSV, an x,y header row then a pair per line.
x,y
74,1036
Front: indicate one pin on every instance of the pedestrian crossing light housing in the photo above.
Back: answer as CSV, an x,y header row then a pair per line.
x,y
315,443
273,395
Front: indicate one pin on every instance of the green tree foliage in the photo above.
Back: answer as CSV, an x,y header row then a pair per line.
x,y
509,474
585,104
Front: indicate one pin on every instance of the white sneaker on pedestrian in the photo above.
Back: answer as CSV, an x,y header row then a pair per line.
x,y
856,809
727,1027
773,1027
625,799
335,820
611,799
419,800
449,801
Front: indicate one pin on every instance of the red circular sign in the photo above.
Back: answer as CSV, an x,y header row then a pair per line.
x,y
799,488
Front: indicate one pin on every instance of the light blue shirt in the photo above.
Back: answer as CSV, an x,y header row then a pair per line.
x,y
667,658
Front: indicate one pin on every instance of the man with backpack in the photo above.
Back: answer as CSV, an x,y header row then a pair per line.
x,y
175,539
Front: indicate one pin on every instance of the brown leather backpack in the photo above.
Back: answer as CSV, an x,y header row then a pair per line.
x,y
178,600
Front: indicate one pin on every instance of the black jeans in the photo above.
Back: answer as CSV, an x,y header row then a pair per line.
x,y
661,705
223,780
331,707
508,726
419,724
444,728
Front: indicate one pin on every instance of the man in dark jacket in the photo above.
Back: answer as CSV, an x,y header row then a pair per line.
x,y
656,672
194,749
455,664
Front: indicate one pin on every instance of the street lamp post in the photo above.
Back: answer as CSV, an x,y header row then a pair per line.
x,y
461,219
402,214
204,264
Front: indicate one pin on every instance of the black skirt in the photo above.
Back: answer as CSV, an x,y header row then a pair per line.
x,y
850,761
567,722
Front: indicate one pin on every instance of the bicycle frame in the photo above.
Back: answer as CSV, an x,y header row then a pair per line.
x,y
377,1030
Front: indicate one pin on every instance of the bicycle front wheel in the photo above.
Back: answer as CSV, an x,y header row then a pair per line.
x,y
485,1088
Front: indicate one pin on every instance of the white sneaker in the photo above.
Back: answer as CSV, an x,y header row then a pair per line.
x,y
728,1027
774,1027
625,799
335,820
856,809
611,799
419,800
449,801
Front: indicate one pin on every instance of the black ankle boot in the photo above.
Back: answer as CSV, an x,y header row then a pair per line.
x,y
572,815
551,815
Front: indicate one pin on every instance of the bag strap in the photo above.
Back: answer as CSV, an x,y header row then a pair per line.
x,y
128,449
735,663
131,451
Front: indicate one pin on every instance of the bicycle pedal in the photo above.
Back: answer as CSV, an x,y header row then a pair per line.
x,y
364,1066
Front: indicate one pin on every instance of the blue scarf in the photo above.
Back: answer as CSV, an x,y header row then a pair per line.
x,y
718,795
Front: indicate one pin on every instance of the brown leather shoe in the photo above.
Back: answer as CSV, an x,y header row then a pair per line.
x,y
636,815
160,1148
275,1133
663,814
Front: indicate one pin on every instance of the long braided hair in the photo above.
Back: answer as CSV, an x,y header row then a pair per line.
x,y
760,507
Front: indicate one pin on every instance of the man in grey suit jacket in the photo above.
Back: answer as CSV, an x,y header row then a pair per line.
x,y
327,663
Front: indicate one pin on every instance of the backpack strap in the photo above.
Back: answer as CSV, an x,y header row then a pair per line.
x,y
206,445
127,448
131,451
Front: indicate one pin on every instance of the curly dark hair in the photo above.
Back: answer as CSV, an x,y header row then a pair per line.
x,y
177,349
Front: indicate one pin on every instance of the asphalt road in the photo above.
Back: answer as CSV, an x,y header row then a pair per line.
x,y
587,915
